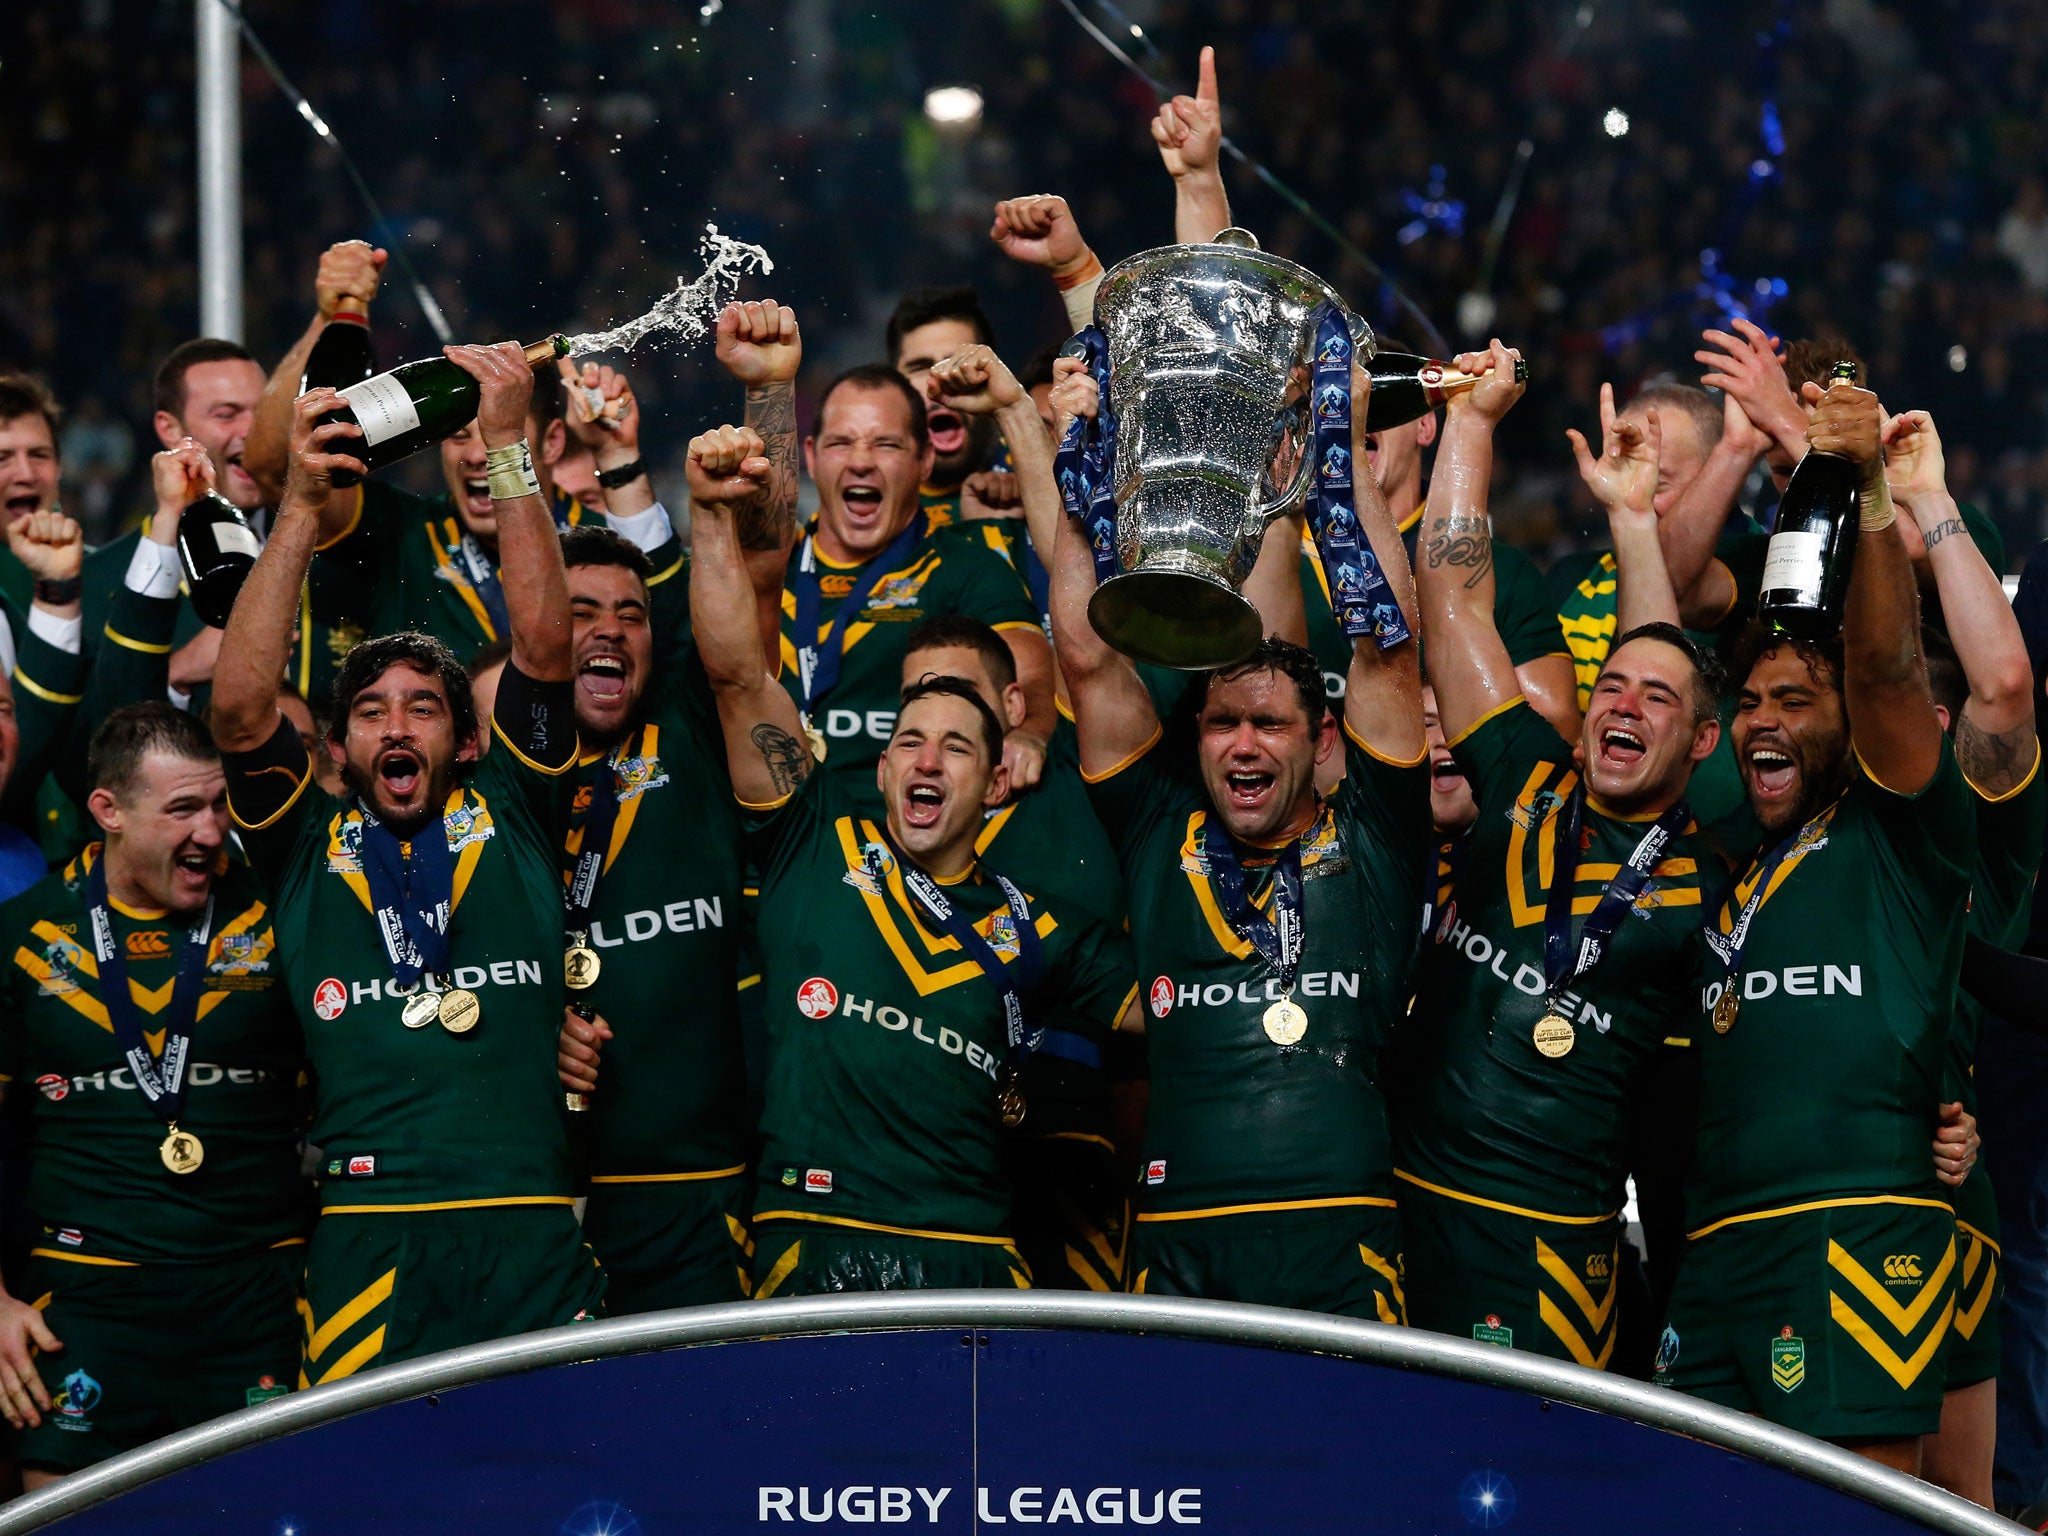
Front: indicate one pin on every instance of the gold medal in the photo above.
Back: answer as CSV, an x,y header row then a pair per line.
x,y
816,738
1010,1104
580,964
1286,1022
460,1010
421,1009
181,1151
1555,1036
1726,1006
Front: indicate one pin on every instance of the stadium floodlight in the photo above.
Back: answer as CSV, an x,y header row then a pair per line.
x,y
956,107
1615,122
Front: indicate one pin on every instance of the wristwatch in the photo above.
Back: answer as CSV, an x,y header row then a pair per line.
x,y
58,593
624,475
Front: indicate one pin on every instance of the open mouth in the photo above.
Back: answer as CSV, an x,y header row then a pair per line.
x,y
1621,747
1248,790
948,430
1446,774
922,805
21,505
603,678
399,772
863,502
476,490
195,867
1773,773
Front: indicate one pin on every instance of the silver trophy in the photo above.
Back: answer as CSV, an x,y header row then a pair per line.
x,y
1211,352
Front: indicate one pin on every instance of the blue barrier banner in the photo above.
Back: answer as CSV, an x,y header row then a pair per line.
x,y
962,1430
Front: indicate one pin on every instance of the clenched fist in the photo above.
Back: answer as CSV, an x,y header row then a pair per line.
x,y
727,467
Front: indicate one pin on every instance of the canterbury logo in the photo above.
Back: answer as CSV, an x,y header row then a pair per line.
x,y
149,944
1902,1266
1597,1266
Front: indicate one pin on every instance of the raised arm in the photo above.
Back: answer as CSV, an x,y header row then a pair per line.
x,y
1891,717
1113,714
258,642
764,742
1994,739
1468,662
760,345
1623,479
348,276
1383,688
1689,525
1746,365
1039,231
1189,133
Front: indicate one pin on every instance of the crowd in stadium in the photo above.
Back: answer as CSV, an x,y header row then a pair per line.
x,y
531,906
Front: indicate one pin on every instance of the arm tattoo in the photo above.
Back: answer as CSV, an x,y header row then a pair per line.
x,y
1942,531
771,411
1995,765
788,759
1460,541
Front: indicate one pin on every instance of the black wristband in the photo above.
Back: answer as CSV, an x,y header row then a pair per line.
x,y
624,475
58,593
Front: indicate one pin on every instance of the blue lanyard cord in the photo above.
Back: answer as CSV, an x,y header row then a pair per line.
x,y
412,897
1280,941
1564,963
1360,595
161,1078
818,659
598,822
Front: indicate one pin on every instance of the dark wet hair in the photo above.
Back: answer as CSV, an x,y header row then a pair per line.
x,y
959,688
1291,661
1707,681
373,658
879,376
129,734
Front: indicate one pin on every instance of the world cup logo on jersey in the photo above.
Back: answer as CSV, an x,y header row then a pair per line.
x,y
1161,996
329,998
816,998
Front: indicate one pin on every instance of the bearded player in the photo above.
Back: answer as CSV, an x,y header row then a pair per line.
x,y
427,904
905,983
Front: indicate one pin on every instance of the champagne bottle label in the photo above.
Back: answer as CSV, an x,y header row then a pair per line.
x,y
234,539
1793,562
383,408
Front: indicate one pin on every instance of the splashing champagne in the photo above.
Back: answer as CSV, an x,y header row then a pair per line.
x,y
691,310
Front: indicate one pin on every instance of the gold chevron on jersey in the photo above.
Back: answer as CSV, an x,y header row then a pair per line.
x,y
1675,882
1565,1305
1322,853
931,962
58,969
1588,618
441,539
465,820
637,765
1865,1308
1812,838
898,589
1976,1278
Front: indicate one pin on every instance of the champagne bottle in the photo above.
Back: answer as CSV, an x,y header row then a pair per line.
x,y
1406,387
216,547
341,356
1813,543
417,404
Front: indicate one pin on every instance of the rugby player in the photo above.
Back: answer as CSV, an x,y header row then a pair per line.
x,y
904,982
426,906
1818,1287
1273,930
1567,945
146,1037
1983,693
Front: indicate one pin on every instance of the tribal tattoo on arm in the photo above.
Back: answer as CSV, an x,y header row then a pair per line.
x,y
771,522
788,759
1466,542
1995,765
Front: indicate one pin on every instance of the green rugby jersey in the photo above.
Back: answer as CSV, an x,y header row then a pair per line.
x,y
96,1182
420,1119
672,1092
402,559
2010,828
1481,1113
885,1041
1825,1088
1236,1120
949,570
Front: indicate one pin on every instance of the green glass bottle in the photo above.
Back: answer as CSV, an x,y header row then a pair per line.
x,y
1813,543
417,404
1406,387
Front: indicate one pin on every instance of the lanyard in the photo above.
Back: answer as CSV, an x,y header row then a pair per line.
x,y
1728,947
925,891
1457,855
1086,463
1279,941
598,822
484,579
411,896
1562,963
818,659
1360,597
161,1078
